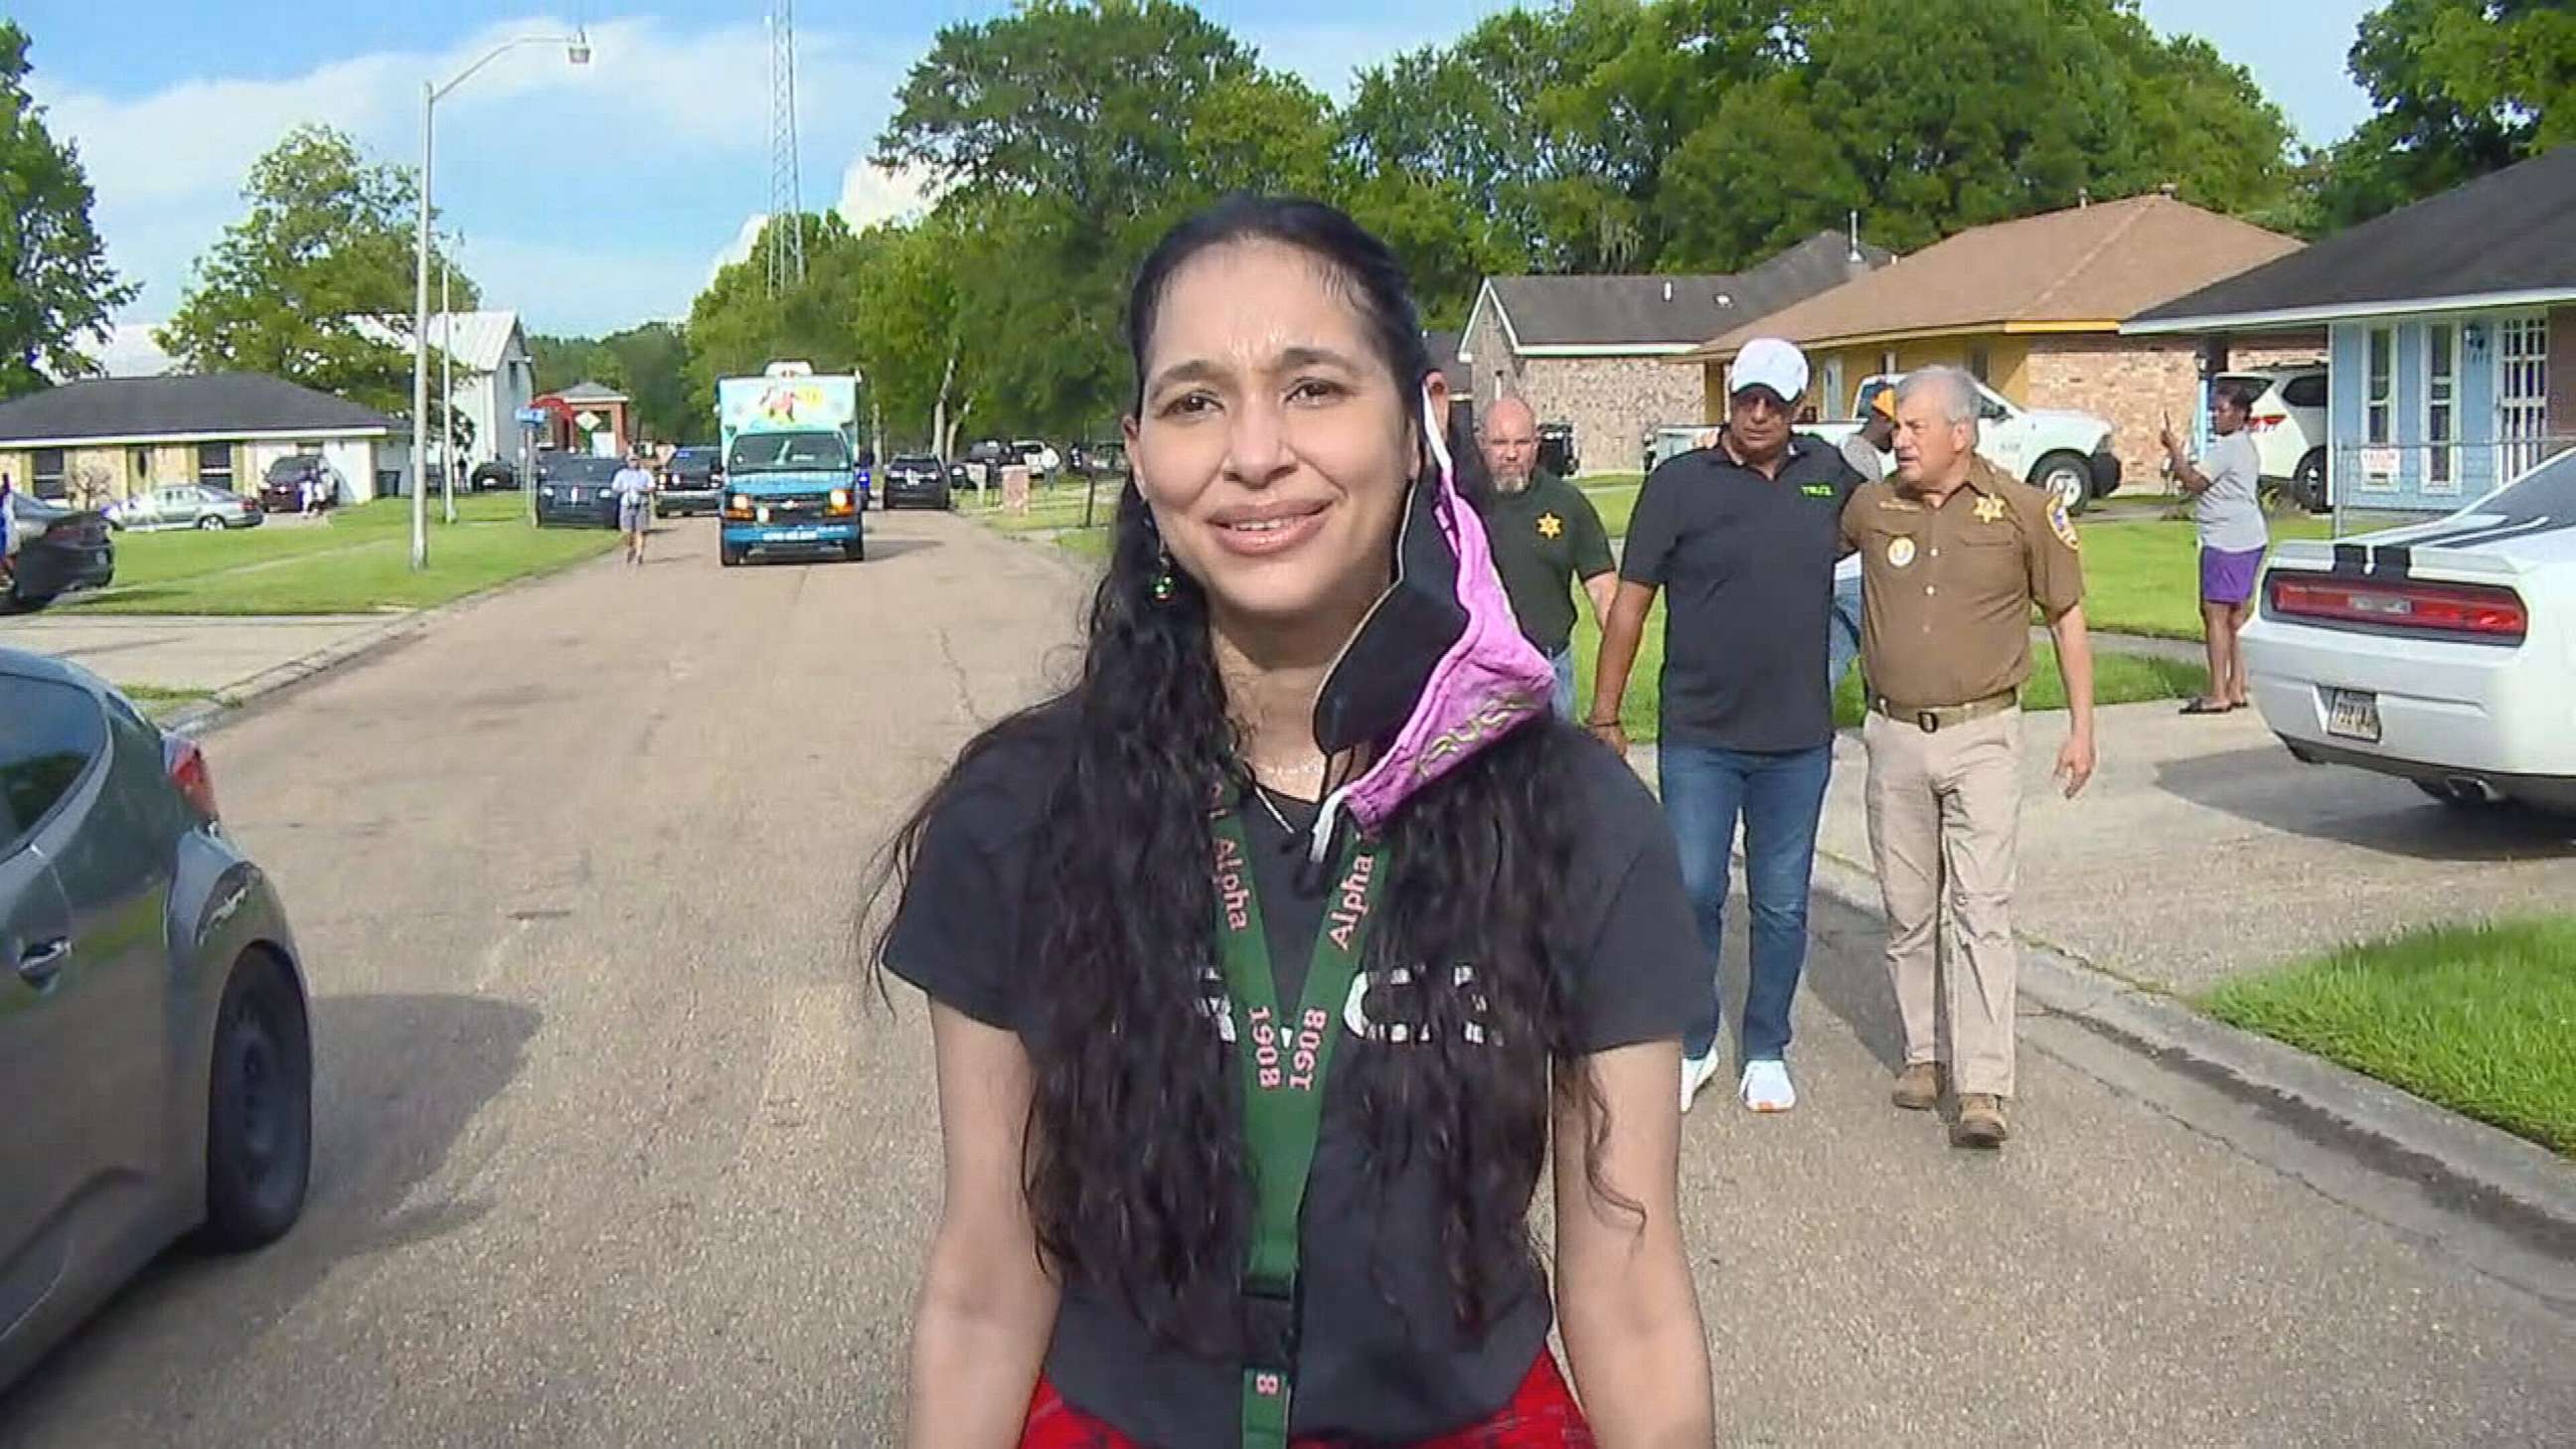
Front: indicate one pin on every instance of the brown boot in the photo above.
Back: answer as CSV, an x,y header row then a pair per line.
x,y
1981,1121
1917,1087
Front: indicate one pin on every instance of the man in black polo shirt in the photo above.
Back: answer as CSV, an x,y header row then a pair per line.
x,y
1545,535
1744,534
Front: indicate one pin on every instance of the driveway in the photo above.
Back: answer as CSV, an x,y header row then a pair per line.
x,y
617,1144
183,651
2202,849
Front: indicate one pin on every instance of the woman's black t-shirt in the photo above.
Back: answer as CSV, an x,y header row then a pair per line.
x,y
1369,1369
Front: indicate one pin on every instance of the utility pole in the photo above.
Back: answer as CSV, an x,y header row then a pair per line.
x,y
786,192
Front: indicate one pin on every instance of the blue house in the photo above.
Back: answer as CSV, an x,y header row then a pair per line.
x,y
2452,331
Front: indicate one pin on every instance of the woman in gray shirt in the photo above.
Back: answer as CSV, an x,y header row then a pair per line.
x,y
2233,535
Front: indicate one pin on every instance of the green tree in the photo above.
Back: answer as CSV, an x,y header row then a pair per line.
x,y
56,287
1940,115
556,363
650,365
327,247
2459,88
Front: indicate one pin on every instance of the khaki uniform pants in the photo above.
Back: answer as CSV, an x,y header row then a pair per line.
x,y
1944,817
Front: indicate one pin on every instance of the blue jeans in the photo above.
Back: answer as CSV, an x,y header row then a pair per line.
x,y
1780,795
1842,646
1563,697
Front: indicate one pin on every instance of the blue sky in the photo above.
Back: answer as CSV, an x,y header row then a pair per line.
x,y
592,198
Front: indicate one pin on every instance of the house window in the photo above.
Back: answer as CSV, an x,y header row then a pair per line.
x,y
1887,362
2441,407
139,468
47,479
2522,391
215,465
1980,364
1834,399
2380,388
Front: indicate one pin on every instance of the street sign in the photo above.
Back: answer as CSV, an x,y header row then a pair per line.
x,y
532,417
587,419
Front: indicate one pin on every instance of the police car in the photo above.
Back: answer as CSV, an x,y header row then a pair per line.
x,y
2442,653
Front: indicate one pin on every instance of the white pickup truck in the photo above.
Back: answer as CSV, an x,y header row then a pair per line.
x,y
2067,453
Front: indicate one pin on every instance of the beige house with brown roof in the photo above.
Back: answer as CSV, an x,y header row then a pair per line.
x,y
2033,308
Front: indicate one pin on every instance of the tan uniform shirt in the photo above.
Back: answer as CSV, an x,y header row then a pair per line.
x,y
1947,591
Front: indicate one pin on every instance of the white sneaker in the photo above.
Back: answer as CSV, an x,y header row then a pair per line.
x,y
1766,1088
1697,1072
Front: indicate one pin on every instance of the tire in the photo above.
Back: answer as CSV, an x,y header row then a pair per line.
x,y
259,1109
2308,485
2066,477
210,524
856,550
728,555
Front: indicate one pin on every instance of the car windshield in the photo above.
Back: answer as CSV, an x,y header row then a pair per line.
x,y
916,460
693,462
2550,492
582,470
288,469
788,453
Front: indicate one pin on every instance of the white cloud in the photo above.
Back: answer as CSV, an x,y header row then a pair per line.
x,y
737,250
871,193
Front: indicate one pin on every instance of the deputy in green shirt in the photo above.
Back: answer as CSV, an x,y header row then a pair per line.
x,y
1545,535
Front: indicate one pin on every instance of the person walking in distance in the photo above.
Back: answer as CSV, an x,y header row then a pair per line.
x,y
1867,451
2233,534
1955,554
1226,1164
633,486
1546,535
1744,534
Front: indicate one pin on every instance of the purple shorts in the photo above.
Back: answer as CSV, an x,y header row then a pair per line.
x,y
2228,578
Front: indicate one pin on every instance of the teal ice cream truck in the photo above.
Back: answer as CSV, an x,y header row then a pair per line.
x,y
793,485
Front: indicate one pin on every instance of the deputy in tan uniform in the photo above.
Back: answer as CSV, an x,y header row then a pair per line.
x,y
1954,553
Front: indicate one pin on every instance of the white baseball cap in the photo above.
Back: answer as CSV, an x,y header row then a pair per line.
x,y
1772,363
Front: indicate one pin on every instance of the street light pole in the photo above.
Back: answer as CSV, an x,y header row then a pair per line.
x,y
420,334
576,50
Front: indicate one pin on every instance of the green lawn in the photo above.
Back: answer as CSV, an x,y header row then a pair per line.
x,y
2117,679
2481,1019
159,702
2143,576
1056,506
357,563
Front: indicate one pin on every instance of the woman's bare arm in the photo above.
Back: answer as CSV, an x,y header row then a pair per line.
x,y
987,1305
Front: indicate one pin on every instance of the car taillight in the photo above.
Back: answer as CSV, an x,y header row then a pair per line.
x,y
2266,422
2479,611
188,771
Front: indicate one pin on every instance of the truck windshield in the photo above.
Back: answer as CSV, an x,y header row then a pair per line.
x,y
788,452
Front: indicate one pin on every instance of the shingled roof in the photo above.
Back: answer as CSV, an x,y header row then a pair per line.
x,y
213,406
2084,265
2506,238
1660,313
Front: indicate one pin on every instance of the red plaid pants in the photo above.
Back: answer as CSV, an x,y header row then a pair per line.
x,y
1542,1415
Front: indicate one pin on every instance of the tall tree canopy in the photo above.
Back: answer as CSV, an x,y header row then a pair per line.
x,y
328,241
56,288
2459,88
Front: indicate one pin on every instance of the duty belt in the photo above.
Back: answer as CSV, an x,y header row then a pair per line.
x,y
1935,718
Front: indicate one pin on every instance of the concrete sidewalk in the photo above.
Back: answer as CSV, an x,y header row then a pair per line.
x,y
2202,850
187,652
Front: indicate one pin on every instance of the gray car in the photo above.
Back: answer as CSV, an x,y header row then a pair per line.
x,y
155,1053
190,505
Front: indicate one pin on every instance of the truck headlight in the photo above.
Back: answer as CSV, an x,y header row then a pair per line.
x,y
840,500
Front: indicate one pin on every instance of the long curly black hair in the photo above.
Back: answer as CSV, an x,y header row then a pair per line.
x,y
1137,1172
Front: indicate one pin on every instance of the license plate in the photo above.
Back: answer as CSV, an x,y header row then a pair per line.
x,y
795,535
2353,714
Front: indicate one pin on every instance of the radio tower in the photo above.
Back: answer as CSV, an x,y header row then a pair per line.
x,y
786,192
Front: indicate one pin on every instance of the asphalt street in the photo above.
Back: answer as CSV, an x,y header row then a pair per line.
x,y
618,1145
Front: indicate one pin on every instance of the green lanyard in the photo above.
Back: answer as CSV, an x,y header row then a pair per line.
x,y
1284,1061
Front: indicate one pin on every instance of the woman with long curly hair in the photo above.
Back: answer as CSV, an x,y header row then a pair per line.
x,y
1269,962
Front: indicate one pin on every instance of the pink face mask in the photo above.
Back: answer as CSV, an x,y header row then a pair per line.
x,y
1438,670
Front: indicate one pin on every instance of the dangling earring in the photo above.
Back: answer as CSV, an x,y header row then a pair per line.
x,y
1163,587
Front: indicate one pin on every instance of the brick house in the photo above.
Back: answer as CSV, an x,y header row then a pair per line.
x,y
1596,351
2033,308
101,439
2452,325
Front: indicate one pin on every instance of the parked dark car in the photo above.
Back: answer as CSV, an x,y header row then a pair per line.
x,y
497,473
916,480
1556,453
279,487
573,491
692,482
1098,460
155,1040
59,550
